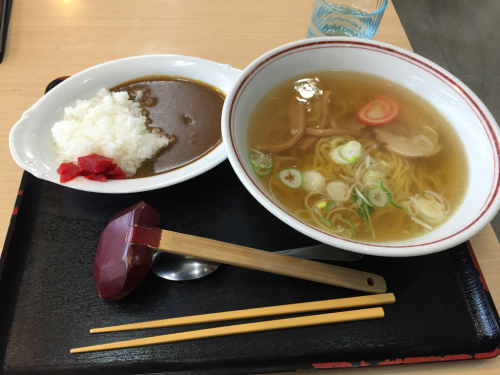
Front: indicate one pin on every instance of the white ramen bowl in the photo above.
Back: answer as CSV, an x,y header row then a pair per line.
x,y
33,148
455,101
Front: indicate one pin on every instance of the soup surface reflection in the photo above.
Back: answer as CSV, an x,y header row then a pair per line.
x,y
357,156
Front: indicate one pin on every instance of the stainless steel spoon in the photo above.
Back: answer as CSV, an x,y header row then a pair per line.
x,y
180,268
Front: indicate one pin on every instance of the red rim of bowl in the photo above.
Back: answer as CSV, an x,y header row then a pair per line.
x,y
411,58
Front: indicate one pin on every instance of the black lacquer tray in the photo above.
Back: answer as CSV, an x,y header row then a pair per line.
x,y
48,301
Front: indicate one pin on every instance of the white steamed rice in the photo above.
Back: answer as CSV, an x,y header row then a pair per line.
x,y
110,124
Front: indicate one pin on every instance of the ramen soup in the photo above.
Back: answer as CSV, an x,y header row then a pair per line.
x,y
357,156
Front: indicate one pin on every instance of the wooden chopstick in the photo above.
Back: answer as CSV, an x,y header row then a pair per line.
x,y
334,304
338,317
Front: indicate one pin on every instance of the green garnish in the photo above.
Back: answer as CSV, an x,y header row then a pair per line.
x,y
261,172
347,154
327,222
351,151
389,195
330,205
355,196
352,228
291,177
260,160
364,211
377,197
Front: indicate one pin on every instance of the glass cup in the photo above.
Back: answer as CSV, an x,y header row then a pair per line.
x,y
356,18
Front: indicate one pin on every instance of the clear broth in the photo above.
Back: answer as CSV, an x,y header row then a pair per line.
x,y
270,122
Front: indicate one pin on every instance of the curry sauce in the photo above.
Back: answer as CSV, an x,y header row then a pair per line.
x,y
187,111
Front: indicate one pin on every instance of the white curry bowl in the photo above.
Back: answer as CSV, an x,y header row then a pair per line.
x,y
455,101
33,148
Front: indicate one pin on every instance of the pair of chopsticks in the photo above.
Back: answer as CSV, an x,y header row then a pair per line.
x,y
335,304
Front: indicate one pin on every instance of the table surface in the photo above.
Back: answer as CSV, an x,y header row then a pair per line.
x,y
53,38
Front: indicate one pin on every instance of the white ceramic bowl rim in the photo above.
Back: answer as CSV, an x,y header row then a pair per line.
x,y
489,207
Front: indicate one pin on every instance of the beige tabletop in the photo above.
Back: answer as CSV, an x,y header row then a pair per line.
x,y
52,38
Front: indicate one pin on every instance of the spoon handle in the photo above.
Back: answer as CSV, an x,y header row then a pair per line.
x,y
222,252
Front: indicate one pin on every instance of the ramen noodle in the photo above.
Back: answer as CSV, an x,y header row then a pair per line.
x,y
357,156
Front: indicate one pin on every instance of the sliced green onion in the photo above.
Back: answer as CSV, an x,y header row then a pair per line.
x,y
338,191
313,181
355,196
407,209
430,210
364,211
373,177
352,228
260,160
330,205
351,151
261,172
335,156
377,197
327,222
291,177
389,195
440,200
361,196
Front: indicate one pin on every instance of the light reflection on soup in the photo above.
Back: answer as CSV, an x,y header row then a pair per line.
x,y
357,156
